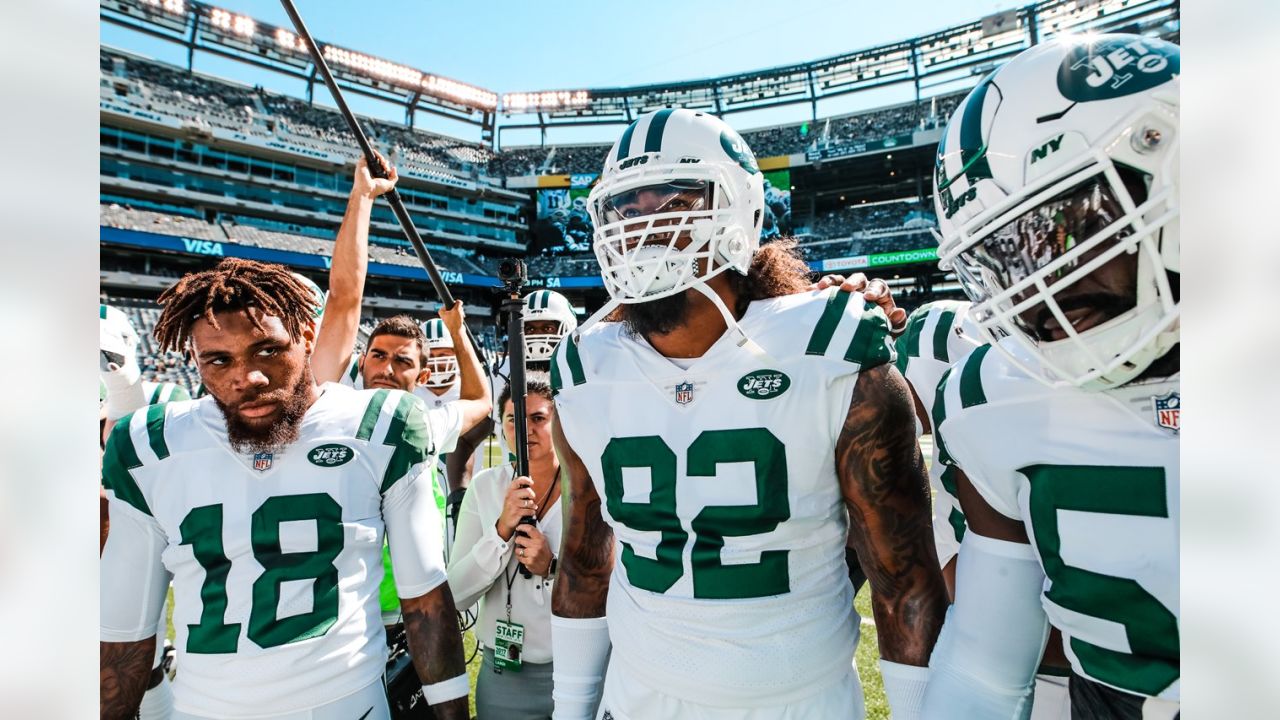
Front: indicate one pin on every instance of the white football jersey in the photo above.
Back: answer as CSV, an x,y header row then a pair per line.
x,y
1094,478
937,335
730,586
275,557
164,392
352,377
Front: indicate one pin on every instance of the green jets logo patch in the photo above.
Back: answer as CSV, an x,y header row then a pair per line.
x,y
331,455
1114,67
735,147
763,384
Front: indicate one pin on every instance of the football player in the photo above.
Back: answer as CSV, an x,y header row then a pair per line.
x,y
267,503
939,334
1057,193
727,429
121,391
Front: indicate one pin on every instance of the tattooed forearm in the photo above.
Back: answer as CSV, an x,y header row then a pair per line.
x,y
123,670
431,625
586,553
886,489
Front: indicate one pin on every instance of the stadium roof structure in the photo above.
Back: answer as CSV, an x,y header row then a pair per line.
x,y
950,57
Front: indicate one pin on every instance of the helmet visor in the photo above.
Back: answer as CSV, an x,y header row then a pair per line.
x,y
1046,247
677,196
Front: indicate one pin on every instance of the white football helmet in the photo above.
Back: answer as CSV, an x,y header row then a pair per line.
x,y
679,201
542,305
444,368
1055,164
117,339
317,292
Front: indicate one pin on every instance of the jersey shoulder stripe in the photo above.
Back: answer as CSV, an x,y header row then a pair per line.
x,y
353,372
872,345
825,330
971,392
155,431
939,416
409,435
568,354
908,344
942,335
371,413
119,459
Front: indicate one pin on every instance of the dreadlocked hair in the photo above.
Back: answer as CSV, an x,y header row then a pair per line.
x,y
232,285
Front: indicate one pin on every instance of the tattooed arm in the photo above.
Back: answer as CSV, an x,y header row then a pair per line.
x,y
431,624
123,671
886,489
586,552
579,633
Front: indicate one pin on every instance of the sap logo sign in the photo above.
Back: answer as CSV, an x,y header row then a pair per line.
x,y
553,282
203,247
451,276
631,162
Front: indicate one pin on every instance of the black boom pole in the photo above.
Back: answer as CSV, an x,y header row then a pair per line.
x,y
375,169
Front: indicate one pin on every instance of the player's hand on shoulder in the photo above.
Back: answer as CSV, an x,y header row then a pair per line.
x,y
368,186
874,290
532,550
518,503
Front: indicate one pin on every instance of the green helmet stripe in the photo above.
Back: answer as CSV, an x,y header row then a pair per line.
x,y
973,151
532,303
624,145
546,299
653,138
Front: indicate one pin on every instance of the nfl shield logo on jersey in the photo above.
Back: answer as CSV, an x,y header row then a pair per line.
x,y
1168,409
684,393
261,461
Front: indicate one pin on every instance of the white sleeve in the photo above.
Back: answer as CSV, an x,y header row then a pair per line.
x,y
985,661
134,581
581,648
480,554
445,424
415,533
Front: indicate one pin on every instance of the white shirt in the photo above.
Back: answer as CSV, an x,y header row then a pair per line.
x,y
483,564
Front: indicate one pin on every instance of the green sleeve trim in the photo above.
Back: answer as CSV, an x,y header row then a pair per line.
x,y
574,359
941,335
155,431
556,382
354,371
872,344
156,394
939,416
958,524
102,312
371,415
971,392
908,344
820,340
119,459
409,435
179,393
948,480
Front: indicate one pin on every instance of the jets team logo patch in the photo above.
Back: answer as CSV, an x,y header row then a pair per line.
x,y
331,455
262,461
1168,410
1115,66
684,393
763,384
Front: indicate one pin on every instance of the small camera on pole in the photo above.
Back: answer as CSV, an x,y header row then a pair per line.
x,y
513,277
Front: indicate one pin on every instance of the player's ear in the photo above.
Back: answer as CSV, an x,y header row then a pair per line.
x,y
309,337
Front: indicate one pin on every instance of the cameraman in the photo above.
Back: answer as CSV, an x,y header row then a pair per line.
x,y
514,628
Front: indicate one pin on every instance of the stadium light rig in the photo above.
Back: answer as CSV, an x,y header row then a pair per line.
x,y
241,25
547,100
176,7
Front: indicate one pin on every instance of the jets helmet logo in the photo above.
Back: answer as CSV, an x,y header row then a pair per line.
x,y
1116,66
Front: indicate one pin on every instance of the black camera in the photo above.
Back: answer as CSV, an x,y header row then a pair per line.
x,y
512,274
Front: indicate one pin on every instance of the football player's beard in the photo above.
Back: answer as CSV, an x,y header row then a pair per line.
x,y
245,438
656,317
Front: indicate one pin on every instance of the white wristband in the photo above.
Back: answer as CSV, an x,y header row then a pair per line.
x,y
904,688
444,691
123,396
580,647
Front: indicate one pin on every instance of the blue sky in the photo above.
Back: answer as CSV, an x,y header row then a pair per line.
x,y
515,46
